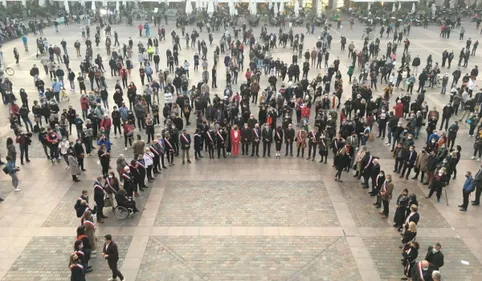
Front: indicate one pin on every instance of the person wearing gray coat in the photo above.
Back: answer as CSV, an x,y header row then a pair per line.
x,y
74,167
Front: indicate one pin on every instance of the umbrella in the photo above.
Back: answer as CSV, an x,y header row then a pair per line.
x,y
210,7
413,8
318,8
66,4
297,8
188,7
282,7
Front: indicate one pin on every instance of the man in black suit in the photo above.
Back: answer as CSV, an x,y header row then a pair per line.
x,y
375,175
478,186
111,254
410,162
185,140
99,195
313,137
246,137
366,168
422,271
267,135
256,136
435,256
289,138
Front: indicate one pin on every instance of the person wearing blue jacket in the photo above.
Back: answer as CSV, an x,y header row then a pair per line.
x,y
466,190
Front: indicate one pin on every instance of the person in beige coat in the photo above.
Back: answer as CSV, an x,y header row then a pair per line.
x,y
359,156
421,164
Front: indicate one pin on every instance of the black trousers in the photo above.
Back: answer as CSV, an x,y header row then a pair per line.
x,y
266,147
255,149
115,272
290,145
149,172
312,147
211,150
223,149
478,190
421,178
161,156
100,208
405,167
170,156
398,165
245,148
465,195
438,191
386,205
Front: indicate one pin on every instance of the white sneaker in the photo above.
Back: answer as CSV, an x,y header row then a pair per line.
x,y
17,189
112,279
473,157
125,148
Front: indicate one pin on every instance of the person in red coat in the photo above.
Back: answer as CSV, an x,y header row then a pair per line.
x,y
398,109
235,140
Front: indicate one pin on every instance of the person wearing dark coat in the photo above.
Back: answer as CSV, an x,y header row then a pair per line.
x,y
77,270
409,162
221,137
111,254
422,271
278,140
400,212
267,137
289,138
197,144
99,195
374,175
246,138
342,160
409,254
435,256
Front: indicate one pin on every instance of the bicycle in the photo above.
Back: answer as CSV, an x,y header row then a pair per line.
x,y
10,71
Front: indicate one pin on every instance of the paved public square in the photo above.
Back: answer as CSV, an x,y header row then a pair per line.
x,y
234,219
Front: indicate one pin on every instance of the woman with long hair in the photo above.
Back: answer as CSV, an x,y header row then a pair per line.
x,y
235,140
342,160
409,254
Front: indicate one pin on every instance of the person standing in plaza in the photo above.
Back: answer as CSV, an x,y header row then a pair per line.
x,y
477,185
386,195
435,256
111,254
12,170
185,140
466,190
99,195
235,140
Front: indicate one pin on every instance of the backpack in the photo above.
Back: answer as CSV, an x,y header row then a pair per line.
x,y
5,170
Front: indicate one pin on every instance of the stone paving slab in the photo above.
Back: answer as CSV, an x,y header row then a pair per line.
x,y
246,203
386,256
47,259
247,258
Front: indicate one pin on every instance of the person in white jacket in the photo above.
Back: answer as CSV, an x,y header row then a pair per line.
x,y
149,161
64,146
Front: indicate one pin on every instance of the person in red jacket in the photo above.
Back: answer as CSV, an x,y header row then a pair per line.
x,y
235,140
106,124
84,104
398,109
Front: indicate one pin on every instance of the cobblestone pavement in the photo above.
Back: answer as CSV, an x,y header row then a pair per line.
x,y
231,203
233,219
47,259
246,258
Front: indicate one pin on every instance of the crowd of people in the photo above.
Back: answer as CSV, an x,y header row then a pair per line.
x,y
340,127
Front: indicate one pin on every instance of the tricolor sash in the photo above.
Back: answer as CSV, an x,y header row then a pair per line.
x,y
220,136
185,139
